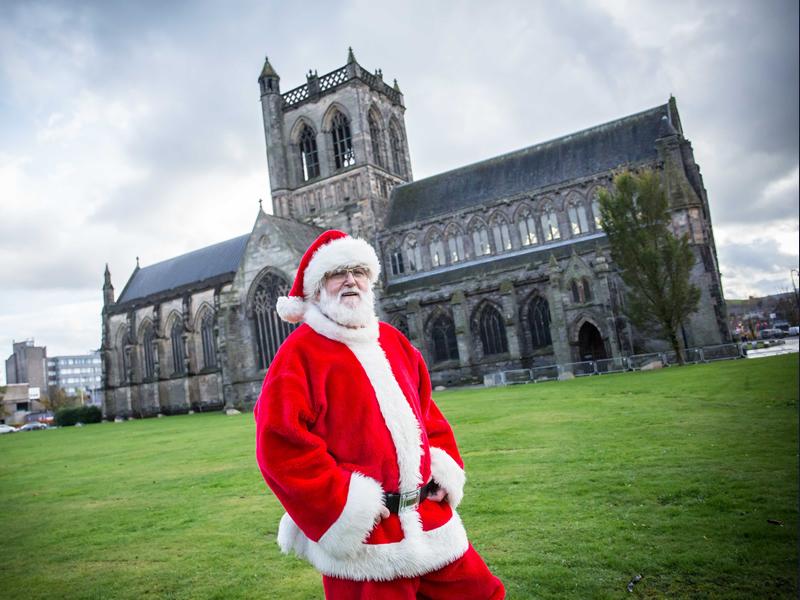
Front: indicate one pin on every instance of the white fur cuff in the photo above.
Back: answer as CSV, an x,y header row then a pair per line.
x,y
448,475
364,502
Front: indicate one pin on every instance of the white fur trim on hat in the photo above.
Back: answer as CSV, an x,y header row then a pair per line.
x,y
344,252
291,308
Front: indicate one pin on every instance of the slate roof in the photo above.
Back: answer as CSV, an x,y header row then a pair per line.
x,y
629,140
193,267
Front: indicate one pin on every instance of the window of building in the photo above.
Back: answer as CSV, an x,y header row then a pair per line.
x,y
443,336
581,291
124,358
270,329
550,226
527,229
342,142
309,157
436,248
412,253
502,240
375,138
401,324
148,347
596,214
178,353
492,331
207,338
539,322
398,267
22,406
455,245
480,241
398,156
577,219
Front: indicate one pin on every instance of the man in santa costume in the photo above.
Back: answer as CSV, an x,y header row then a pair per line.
x,y
351,443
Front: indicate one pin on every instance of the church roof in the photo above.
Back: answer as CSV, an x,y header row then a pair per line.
x,y
628,140
207,263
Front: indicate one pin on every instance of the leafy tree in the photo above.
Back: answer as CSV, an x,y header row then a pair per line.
x,y
57,398
655,264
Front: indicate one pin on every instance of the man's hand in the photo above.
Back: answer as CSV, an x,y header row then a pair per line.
x,y
438,496
383,515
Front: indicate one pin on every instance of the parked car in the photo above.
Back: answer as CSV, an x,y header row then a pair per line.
x,y
769,334
33,426
794,330
7,428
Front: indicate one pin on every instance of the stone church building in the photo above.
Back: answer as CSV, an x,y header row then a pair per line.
x,y
493,266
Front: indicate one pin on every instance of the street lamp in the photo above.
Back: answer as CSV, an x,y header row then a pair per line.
x,y
792,273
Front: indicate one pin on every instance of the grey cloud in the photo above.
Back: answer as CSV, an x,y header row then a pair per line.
x,y
761,255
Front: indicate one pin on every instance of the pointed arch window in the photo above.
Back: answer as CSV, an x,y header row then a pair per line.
x,y
577,219
581,291
375,138
398,155
492,331
550,229
398,268
436,248
480,241
401,324
148,350
342,142
539,322
412,254
209,345
178,351
270,329
455,245
443,336
596,214
502,240
527,229
309,157
124,358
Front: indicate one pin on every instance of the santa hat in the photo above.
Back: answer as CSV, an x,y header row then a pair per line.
x,y
330,251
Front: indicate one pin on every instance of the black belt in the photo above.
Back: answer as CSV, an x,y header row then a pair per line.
x,y
408,500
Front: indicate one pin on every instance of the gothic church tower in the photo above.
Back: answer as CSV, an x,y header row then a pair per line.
x,y
336,146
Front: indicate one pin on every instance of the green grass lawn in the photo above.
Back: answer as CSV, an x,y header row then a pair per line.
x,y
574,487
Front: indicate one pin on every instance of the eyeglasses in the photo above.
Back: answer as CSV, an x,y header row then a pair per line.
x,y
358,273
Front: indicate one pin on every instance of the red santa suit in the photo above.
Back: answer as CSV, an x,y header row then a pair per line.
x,y
345,415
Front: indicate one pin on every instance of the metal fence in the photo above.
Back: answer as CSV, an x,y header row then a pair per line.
x,y
635,362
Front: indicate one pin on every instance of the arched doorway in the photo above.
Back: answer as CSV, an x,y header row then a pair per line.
x,y
590,343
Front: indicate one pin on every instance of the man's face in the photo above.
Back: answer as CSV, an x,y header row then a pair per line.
x,y
348,286
346,297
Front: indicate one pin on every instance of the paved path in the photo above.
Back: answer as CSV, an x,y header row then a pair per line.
x,y
790,346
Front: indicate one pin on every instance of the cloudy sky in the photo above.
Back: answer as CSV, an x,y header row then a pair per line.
x,y
134,128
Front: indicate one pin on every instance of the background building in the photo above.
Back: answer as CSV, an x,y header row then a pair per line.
x,y
27,364
497,265
19,404
79,375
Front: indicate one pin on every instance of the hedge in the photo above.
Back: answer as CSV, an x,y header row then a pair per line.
x,y
78,414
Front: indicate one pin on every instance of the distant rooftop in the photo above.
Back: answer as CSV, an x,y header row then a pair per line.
x,y
193,267
629,140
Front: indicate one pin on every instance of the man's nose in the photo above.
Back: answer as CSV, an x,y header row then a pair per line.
x,y
350,279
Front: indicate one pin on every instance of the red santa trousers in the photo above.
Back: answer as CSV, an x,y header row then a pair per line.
x,y
468,578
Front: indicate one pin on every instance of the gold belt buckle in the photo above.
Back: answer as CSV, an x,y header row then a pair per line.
x,y
408,500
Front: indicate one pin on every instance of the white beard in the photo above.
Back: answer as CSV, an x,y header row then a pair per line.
x,y
360,316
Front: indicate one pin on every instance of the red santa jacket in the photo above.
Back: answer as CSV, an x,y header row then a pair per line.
x,y
344,416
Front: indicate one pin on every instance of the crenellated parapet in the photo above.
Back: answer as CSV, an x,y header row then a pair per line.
x,y
316,86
